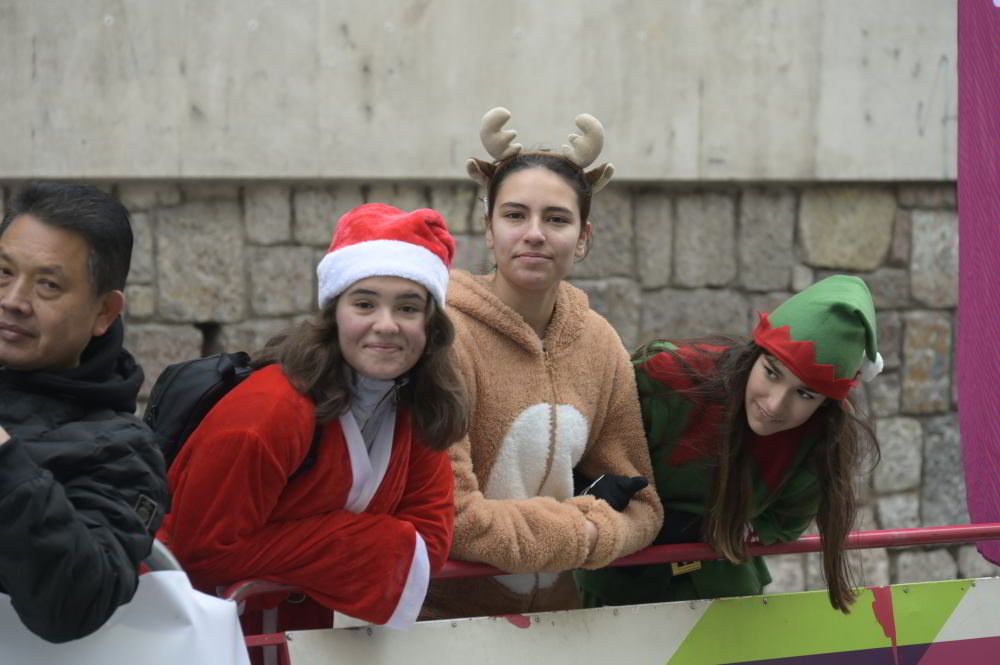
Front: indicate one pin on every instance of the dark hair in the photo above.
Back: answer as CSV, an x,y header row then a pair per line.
x,y
310,356
567,170
844,441
101,220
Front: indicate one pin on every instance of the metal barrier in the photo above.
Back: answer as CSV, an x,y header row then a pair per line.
x,y
857,540
937,535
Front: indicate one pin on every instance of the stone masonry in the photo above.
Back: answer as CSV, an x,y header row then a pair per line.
x,y
226,266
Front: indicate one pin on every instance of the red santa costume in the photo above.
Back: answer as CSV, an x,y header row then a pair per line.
x,y
361,531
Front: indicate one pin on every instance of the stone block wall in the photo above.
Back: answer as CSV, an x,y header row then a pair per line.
x,y
227,265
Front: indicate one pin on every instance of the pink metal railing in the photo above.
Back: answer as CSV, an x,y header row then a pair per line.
x,y
858,540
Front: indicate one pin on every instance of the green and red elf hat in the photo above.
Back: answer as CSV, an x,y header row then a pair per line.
x,y
826,335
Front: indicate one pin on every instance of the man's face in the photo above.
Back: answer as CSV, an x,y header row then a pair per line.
x,y
48,306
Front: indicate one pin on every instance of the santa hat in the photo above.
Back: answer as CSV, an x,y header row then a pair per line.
x,y
826,335
379,240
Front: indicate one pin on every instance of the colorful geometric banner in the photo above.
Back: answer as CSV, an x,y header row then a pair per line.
x,y
932,623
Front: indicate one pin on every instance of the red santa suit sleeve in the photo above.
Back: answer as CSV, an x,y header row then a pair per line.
x,y
235,514
429,505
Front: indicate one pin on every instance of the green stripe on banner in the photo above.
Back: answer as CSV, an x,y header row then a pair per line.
x,y
922,609
737,630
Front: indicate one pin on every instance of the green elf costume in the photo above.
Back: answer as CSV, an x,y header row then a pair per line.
x,y
827,336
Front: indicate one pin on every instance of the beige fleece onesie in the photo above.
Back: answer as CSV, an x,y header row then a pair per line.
x,y
539,408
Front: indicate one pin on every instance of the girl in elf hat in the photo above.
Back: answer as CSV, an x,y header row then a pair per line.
x,y
754,438
370,375
550,387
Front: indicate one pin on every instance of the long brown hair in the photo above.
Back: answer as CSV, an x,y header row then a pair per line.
x,y
845,440
310,356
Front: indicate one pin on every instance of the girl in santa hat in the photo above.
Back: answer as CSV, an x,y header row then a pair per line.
x,y
752,440
551,388
370,376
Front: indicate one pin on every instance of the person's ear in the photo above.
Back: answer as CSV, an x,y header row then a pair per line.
x,y
583,242
489,234
112,304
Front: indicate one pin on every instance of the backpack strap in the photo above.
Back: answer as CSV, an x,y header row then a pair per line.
x,y
310,458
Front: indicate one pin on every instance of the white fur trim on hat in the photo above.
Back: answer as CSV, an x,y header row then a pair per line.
x,y
381,258
869,370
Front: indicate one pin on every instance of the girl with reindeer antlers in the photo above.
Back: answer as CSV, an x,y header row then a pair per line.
x,y
551,388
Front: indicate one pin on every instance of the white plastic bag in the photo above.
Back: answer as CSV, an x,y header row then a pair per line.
x,y
168,622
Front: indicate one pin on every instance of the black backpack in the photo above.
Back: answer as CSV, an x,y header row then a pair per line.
x,y
185,392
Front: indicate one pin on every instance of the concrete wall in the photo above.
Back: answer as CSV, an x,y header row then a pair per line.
x,y
301,89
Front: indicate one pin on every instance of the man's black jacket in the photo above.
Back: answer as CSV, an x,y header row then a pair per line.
x,y
82,490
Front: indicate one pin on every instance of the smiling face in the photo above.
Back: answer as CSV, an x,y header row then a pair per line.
x,y
382,325
49,310
775,398
535,230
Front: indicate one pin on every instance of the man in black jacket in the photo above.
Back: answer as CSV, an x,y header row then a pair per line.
x,y
82,485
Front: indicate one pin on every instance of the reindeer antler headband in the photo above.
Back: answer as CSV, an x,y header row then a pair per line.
x,y
582,150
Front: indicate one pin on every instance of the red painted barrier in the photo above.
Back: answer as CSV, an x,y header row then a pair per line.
x,y
858,540
940,535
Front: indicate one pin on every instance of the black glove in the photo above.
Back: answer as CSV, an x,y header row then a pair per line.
x,y
679,527
616,490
